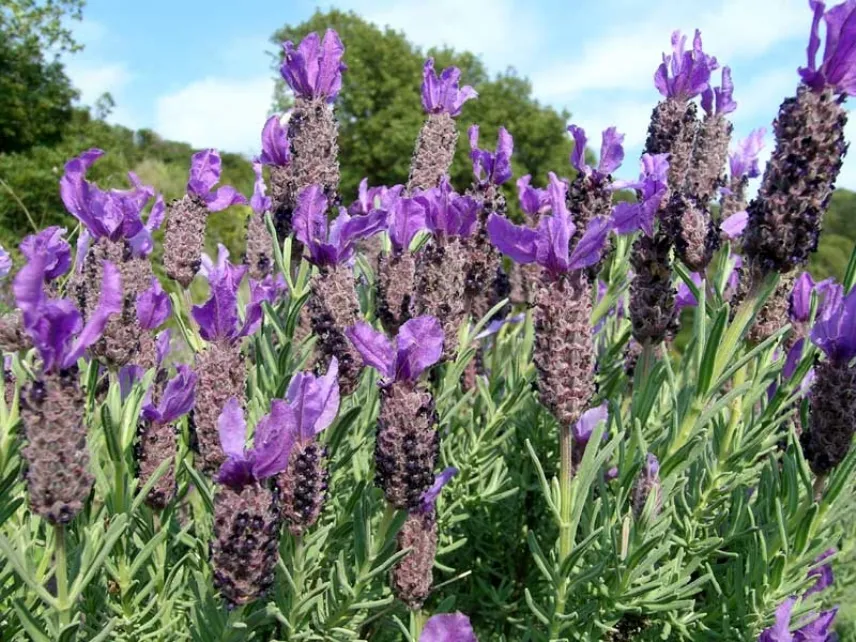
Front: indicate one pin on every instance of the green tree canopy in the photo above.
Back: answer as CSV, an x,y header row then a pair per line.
x,y
380,112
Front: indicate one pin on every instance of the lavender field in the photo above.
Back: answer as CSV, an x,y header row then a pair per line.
x,y
487,405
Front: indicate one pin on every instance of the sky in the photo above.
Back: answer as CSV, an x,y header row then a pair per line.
x,y
200,71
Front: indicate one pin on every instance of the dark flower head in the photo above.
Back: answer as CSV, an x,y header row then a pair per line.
x,y
651,188
310,406
5,263
276,150
56,326
823,573
443,95
56,250
113,214
418,346
491,168
429,497
683,75
583,429
548,245
218,317
331,243
404,221
448,627
718,100
379,197
733,226
177,398
204,175
259,202
448,213
834,331
533,200
685,297
838,65
314,69
743,161
153,306
611,151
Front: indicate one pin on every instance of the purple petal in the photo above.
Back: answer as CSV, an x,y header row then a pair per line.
x,y
502,162
443,94
218,317
82,247
590,247
743,160
128,376
50,243
232,428
273,441
310,219
583,429
259,202
276,150
835,331
314,400
819,629
204,173
405,221
800,307
5,263
429,497
75,190
578,155
178,396
611,151
109,303
733,226
515,241
685,297
823,573
448,627
153,306
374,347
418,346
533,201
236,472
162,347
330,66
224,197
780,631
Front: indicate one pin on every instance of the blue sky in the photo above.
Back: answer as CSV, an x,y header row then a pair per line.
x,y
199,72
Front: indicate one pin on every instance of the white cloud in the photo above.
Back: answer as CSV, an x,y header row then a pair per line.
x,y
626,55
226,113
93,78
502,32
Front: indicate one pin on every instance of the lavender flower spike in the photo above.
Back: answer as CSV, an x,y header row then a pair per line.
x,y
259,241
313,70
435,146
786,217
838,64
51,243
833,399
52,407
412,577
157,434
448,627
246,513
492,168
443,95
407,441
276,150
314,403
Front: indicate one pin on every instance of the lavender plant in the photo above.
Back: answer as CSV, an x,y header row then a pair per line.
x,y
230,469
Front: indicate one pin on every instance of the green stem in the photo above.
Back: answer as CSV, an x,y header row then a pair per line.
x,y
417,622
298,566
566,476
736,415
61,575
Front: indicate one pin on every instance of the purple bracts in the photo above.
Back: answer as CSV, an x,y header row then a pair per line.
x,y
817,630
492,168
49,242
443,95
838,65
448,627
313,69
276,150
418,346
684,74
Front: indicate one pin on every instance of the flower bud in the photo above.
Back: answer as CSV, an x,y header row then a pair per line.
x,y
435,149
304,486
184,238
